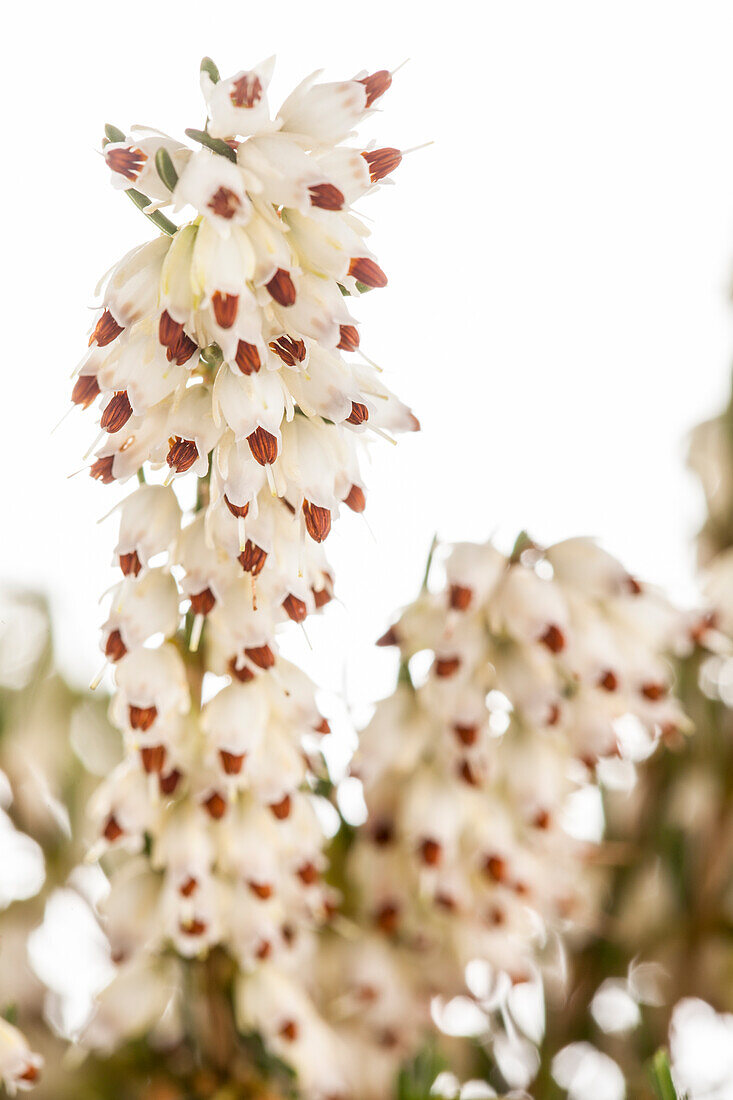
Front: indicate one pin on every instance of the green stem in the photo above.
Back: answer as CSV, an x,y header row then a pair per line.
x,y
159,220
661,1076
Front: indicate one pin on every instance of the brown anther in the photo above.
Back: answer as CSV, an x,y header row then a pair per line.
x,y
467,774
86,389
317,521
181,350
117,412
101,470
446,666
105,331
376,85
323,727
261,655
289,934
263,445
261,890
388,1038
239,510
153,758
355,499
496,916
247,357
321,597
541,819
169,331
281,809
142,718
289,1031
633,586
114,647
264,950
168,783
193,927
182,454
414,423
366,271
700,627
387,918
467,735
112,830
188,887
243,673
31,1074
225,308
289,349
246,90
608,680
252,558
460,597
445,901
224,203
495,868
653,691
349,338
130,564
126,161
308,874
359,413
553,638
231,762
282,288
390,637
523,891
294,608
382,162
431,852
215,805
383,833
326,197
203,602
554,713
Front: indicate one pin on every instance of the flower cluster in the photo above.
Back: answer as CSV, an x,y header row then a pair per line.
x,y
225,350
526,683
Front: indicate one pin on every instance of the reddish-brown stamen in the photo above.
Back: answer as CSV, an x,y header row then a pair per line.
x,y
349,338
252,558
321,597
387,918
447,666
247,358
112,830
181,350
261,890
153,758
263,445
215,805
281,809
376,85
182,454
366,271
114,647
130,564
239,510
323,727
295,608
168,783
101,470
289,349
317,521
105,331
383,833
431,851
495,868
240,672
390,637
553,638
30,1074
289,1031
282,287
86,389
225,308
189,887
193,927
261,655
224,203
264,950
231,762
541,819
460,597
467,735
142,718
381,162
608,680
117,412
653,691
246,90
127,161
359,413
326,197
467,774
168,330
355,499
308,874
203,602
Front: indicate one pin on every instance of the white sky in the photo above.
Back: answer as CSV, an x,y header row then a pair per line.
x,y
559,263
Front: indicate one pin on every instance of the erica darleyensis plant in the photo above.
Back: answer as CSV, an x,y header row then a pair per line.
x,y
226,356
527,684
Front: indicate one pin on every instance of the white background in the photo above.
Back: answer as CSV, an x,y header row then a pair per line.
x,y
559,264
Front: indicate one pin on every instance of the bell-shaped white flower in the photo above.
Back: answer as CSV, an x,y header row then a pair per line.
x,y
215,188
238,106
132,161
150,519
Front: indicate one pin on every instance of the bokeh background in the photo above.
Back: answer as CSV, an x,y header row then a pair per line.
x,y
559,263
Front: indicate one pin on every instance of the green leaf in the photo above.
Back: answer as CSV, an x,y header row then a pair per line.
x,y
208,66
165,169
113,134
661,1076
155,216
416,1079
215,144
